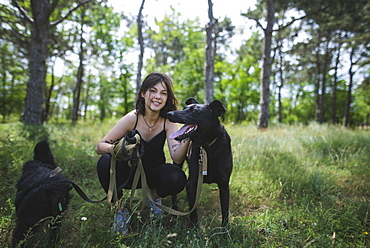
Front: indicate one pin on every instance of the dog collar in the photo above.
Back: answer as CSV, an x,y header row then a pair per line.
x,y
213,141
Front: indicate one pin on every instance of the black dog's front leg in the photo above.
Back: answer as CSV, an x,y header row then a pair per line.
x,y
224,199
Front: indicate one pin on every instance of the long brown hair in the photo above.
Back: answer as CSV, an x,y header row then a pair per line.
x,y
150,81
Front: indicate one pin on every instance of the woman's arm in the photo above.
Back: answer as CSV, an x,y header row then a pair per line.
x,y
177,149
123,126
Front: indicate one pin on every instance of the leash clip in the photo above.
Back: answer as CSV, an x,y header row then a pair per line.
x,y
200,161
203,161
54,172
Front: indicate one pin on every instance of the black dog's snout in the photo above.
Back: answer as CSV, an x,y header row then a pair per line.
x,y
170,114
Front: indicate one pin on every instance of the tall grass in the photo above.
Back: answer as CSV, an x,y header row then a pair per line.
x,y
292,186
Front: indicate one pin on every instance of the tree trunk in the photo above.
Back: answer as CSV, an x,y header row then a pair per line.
x,y
323,85
102,94
41,11
335,86
125,82
210,54
87,94
318,86
280,86
33,105
4,95
141,43
349,92
263,118
80,74
47,112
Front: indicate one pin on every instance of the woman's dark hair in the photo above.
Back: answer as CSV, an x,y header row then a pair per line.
x,y
150,81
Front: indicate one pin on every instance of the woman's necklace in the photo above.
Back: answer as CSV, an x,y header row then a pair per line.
x,y
150,127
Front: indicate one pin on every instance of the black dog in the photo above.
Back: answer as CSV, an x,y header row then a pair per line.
x,y
204,129
42,196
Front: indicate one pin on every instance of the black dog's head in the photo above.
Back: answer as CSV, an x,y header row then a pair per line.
x,y
198,118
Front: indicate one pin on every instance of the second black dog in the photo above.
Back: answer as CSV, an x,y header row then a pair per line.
x,y
42,196
204,129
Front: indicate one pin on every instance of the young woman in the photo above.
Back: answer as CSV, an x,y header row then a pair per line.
x,y
154,99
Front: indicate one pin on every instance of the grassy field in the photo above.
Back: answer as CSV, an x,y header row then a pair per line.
x,y
292,186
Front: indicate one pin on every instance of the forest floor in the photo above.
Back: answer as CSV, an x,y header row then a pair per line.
x,y
291,186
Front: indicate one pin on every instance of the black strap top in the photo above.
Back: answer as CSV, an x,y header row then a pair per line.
x,y
153,149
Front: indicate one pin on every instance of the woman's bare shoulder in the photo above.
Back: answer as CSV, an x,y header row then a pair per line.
x,y
171,125
131,115
128,120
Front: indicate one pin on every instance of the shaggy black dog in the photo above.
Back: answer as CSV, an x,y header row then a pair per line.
x,y
42,196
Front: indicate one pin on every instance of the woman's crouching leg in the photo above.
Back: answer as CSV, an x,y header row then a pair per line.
x,y
171,180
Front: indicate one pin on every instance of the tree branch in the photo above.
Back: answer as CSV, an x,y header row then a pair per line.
x,y
69,12
302,17
257,22
23,11
290,23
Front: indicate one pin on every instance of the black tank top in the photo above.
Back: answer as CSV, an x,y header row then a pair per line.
x,y
153,149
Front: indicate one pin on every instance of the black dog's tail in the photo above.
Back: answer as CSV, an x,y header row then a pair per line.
x,y
43,153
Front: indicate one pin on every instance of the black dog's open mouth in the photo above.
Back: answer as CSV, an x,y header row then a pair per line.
x,y
184,132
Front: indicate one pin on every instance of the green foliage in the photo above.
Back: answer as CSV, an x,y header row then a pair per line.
x,y
361,109
292,186
179,51
238,85
12,91
176,46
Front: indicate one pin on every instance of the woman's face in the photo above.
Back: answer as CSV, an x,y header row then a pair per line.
x,y
155,97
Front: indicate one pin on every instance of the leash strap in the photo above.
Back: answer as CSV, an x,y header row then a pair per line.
x,y
203,154
130,149
145,191
83,195
133,153
112,195
140,173
57,170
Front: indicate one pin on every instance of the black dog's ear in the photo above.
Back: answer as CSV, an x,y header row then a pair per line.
x,y
43,153
217,108
191,100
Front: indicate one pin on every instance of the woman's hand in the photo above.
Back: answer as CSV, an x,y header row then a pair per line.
x,y
178,149
123,126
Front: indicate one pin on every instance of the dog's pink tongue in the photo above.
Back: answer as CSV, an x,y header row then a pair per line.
x,y
179,132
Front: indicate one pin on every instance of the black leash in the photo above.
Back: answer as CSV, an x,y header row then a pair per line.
x,y
81,193
119,152
57,170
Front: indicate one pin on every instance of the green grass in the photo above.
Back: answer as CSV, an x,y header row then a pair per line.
x,y
292,186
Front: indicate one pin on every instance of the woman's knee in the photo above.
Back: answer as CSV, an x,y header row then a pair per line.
x,y
103,166
172,181
104,161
